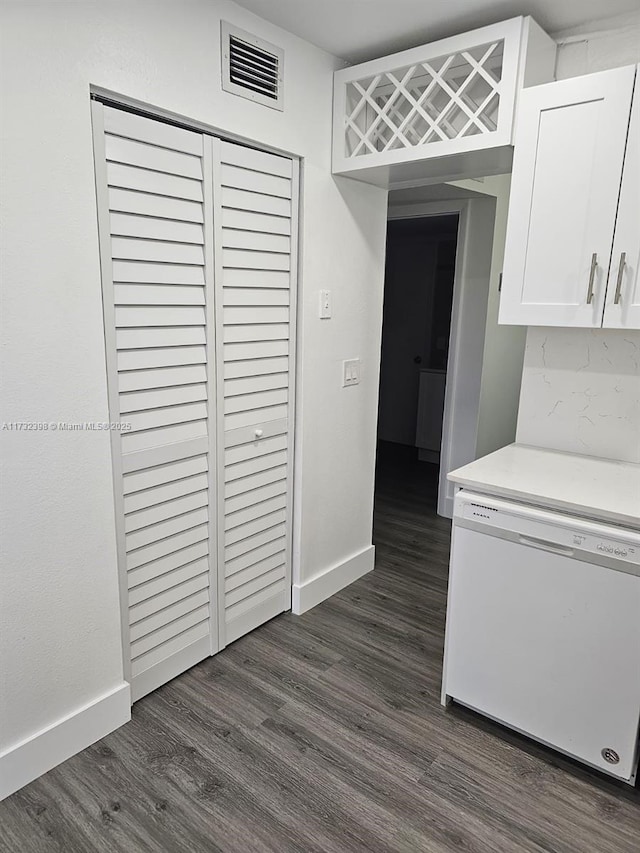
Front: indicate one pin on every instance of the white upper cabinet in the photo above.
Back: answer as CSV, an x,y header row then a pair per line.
x,y
622,308
442,110
561,265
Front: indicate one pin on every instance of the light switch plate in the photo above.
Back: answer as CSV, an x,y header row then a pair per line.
x,y
351,372
325,304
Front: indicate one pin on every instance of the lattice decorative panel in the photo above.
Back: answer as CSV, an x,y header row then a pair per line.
x,y
447,97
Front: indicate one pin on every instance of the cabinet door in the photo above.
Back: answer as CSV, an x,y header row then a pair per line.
x,y
569,150
622,310
255,225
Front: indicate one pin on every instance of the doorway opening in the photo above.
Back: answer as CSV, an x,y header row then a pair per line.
x,y
419,287
450,375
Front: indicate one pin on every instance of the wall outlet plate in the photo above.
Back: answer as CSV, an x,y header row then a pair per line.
x,y
325,304
351,372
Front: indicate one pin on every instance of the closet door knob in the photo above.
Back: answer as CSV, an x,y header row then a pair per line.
x,y
258,433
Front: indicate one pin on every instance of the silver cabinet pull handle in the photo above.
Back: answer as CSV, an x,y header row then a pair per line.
x,y
592,275
623,260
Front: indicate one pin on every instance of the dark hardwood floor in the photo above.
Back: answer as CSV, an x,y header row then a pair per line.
x,y
325,733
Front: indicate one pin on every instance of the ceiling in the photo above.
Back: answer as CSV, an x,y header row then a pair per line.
x,y
357,30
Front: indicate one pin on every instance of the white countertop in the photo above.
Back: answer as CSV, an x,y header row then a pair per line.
x,y
585,485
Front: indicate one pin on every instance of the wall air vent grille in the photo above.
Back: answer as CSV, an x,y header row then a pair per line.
x,y
252,68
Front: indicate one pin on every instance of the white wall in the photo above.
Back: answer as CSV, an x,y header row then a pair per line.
x,y
598,45
581,387
504,345
60,636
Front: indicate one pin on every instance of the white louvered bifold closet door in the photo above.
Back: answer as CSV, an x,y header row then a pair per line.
x,y
256,214
154,200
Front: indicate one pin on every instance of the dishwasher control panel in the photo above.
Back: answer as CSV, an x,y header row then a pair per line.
x,y
547,529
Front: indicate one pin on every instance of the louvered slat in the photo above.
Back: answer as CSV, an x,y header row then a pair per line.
x,y
155,437
255,278
256,332
255,480
147,616
232,238
170,632
244,259
242,470
196,637
148,204
158,294
149,228
166,491
255,202
265,567
142,627
135,249
255,400
161,273
168,571
149,598
254,296
250,384
134,153
149,338
155,183
171,356
244,220
136,401
153,515
238,517
141,129
264,350
257,540
139,380
243,178
155,533
159,550
158,315
255,526
256,161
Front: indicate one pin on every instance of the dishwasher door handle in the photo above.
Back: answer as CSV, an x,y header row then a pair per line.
x,y
543,545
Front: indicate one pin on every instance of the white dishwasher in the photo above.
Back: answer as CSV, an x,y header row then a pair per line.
x,y
543,628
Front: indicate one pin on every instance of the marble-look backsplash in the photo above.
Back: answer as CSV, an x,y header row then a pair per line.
x,y
581,392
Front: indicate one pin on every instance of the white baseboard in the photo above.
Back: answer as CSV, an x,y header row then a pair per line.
x,y
306,595
49,747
